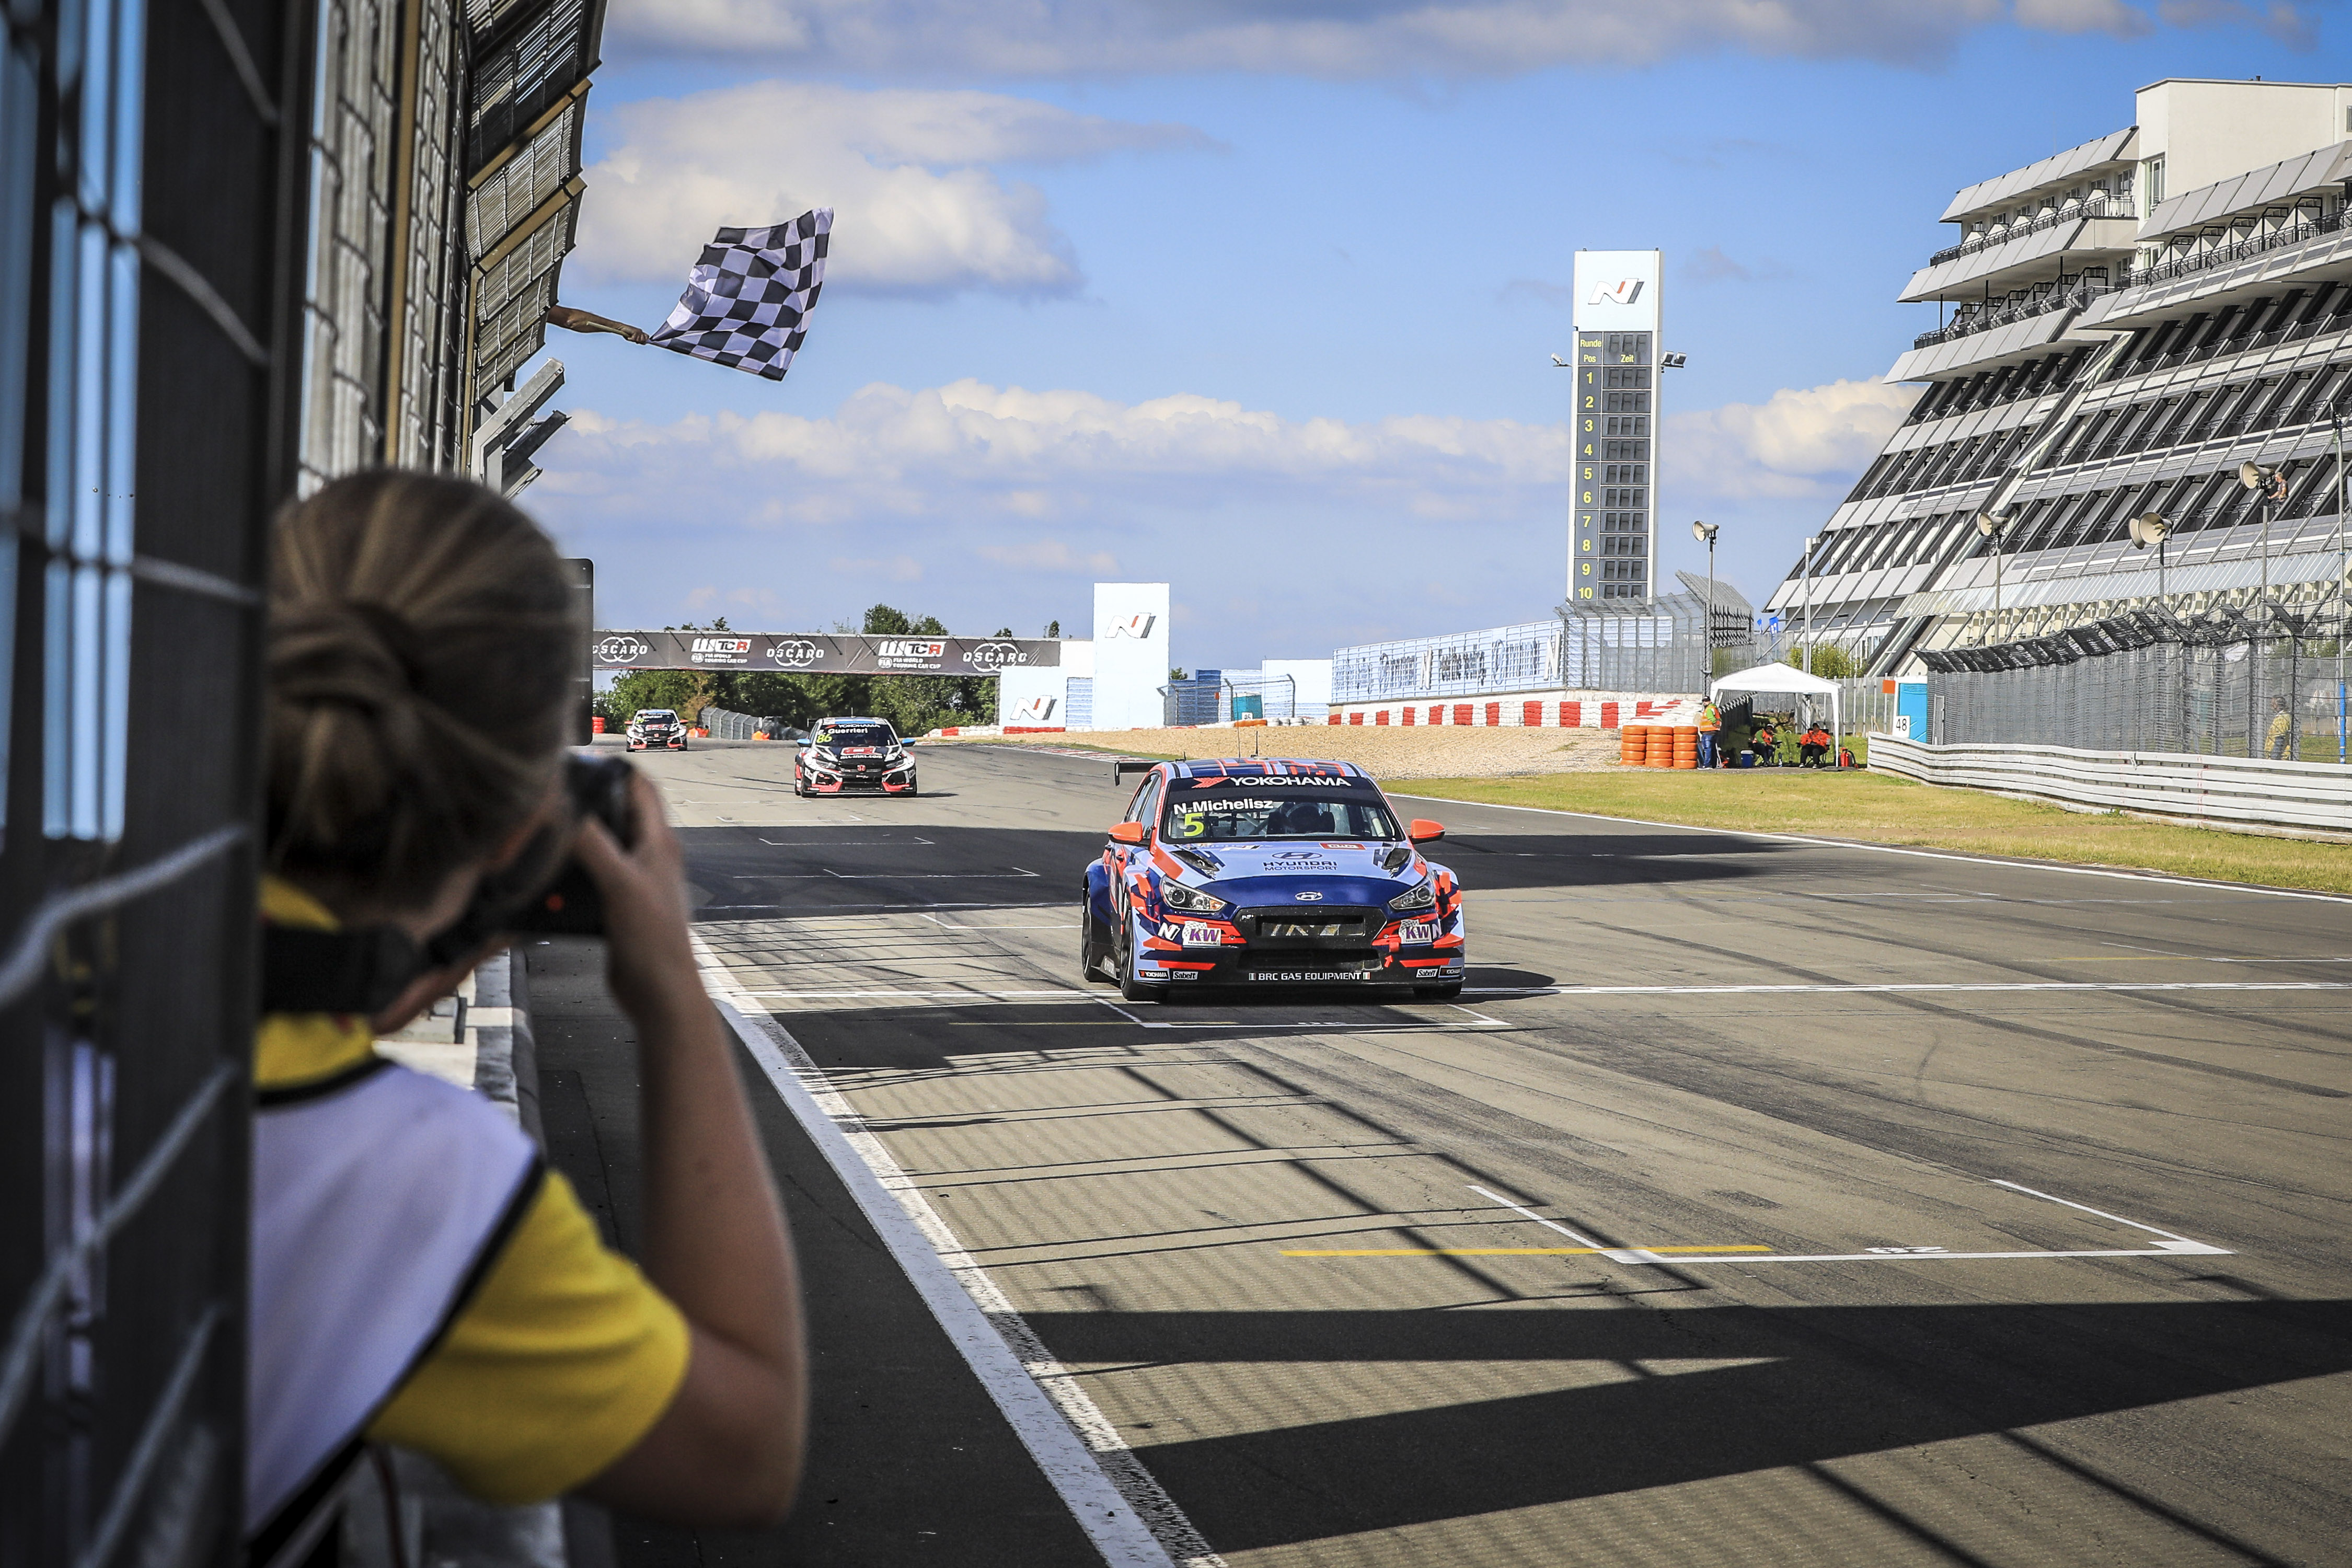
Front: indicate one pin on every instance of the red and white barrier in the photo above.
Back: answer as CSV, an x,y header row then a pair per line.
x,y
1541,710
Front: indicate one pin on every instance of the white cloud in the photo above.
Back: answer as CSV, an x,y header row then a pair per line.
x,y
917,206
1050,555
1799,442
2112,17
1013,38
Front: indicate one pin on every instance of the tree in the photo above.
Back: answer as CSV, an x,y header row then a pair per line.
x,y
1053,629
1829,661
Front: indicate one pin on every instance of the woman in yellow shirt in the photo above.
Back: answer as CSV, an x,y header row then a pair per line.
x,y
418,1276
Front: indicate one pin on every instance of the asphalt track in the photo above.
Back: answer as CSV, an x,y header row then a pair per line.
x,y
1762,1201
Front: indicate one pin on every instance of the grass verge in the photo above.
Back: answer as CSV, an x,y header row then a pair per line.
x,y
1878,809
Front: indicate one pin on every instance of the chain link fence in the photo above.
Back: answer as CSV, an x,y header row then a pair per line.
x,y
2222,684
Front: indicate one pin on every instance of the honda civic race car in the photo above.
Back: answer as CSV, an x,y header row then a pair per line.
x,y
656,727
853,753
1254,871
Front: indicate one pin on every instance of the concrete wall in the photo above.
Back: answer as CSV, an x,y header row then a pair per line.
x,y
2212,130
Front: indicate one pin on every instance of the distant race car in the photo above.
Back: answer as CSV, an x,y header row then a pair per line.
x,y
853,753
651,728
1256,871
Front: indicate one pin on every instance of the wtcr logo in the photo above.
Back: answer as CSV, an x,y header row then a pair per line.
x,y
900,649
1136,626
1625,291
722,644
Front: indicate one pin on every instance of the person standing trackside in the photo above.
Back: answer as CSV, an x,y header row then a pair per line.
x,y
1710,730
2282,735
418,1276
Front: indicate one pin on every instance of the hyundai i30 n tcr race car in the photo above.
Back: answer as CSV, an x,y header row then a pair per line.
x,y
657,729
853,753
1257,871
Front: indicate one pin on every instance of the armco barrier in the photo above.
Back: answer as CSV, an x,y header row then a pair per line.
x,y
2236,791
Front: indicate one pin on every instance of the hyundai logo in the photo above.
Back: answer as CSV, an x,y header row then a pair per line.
x,y
1309,897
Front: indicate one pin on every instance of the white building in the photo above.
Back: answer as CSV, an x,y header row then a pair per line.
x,y
2131,321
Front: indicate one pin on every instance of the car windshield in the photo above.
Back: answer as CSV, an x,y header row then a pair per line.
x,y
854,735
1205,809
655,716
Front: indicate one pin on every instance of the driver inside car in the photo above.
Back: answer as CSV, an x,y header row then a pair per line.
x,y
1300,819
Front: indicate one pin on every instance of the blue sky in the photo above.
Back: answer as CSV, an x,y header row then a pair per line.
x,y
1258,299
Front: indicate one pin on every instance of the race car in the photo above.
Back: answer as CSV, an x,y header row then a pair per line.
x,y
1262,871
651,728
853,753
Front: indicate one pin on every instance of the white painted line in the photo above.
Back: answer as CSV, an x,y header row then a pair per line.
x,y
1115,1500
1916,985
1615,1254
2184,1243
1069,996
1896,849
838,843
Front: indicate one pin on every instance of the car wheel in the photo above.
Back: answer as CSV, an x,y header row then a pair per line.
x,y
1445,993
1092,949
1129,987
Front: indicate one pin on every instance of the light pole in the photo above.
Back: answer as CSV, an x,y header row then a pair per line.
x,y
2147,528
1992,528
2269,485
1810,541
1705,532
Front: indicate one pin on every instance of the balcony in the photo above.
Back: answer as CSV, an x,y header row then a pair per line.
x,y
2074,296
2102,205
2223,255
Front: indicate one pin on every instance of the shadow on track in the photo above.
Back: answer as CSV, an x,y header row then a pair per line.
x,y
1840,1382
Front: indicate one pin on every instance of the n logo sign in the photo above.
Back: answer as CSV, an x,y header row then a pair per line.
x,y
1136,626
1037,710
1625,291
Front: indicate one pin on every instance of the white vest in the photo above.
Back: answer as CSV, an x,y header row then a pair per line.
x,y
380,1198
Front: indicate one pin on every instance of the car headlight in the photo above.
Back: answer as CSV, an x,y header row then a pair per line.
x,y
1177,896
1421,896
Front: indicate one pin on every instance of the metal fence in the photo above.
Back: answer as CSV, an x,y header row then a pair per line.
x,y
724,724
1658,646
150,223
2222,685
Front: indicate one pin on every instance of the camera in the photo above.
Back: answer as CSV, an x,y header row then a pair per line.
x,y
546,891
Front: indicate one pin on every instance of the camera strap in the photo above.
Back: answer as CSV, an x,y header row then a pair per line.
x,y
354,972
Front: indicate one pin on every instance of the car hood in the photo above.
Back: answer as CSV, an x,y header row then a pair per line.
x,y
1277,873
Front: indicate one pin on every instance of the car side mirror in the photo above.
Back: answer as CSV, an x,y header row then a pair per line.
x,y
803,741
1129,833
1421,830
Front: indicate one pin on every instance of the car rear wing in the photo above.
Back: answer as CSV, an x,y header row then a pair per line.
x,y
1121,769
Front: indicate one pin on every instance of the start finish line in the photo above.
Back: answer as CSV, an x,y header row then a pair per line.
x,y
827,653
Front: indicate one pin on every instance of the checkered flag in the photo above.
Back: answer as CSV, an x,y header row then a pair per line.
x,y
747,301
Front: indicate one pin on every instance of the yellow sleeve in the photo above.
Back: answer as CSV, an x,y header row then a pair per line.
x,y
564,1358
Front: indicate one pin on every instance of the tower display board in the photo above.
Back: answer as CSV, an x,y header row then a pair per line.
x,y
1613,509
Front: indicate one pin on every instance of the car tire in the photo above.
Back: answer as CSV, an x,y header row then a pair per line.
x,y
1129,987
1445,993
1093,951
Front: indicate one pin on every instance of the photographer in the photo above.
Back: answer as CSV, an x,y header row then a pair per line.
x,y
418,1276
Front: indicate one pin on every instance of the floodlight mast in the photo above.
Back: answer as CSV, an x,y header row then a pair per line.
x,y
2267,483
2150,528
1992,528
1705,531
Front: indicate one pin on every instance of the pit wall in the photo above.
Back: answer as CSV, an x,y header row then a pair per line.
x,y
1527,710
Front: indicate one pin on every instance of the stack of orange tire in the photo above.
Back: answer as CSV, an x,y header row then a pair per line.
x,y
1662,746
1633,745
1686,746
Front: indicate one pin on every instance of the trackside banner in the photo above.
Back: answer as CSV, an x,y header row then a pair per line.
x,y
828,653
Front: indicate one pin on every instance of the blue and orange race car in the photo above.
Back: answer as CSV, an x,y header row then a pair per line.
x,y
1259,870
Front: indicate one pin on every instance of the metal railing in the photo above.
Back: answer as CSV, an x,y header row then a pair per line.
x,y
726,725
2103,206
2227,790
2074,296
2237,250
1523,657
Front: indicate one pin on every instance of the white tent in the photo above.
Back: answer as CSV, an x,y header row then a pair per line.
x,y
1787,679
